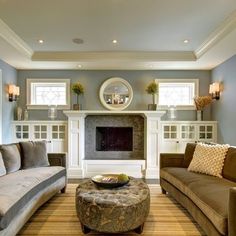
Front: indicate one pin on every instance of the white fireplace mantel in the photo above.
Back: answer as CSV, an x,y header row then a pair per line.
x,y
79,167
74,113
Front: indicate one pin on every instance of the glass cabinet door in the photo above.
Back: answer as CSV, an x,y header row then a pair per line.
x,y
58,131
22,131
187,132
205,132
170,132
40,132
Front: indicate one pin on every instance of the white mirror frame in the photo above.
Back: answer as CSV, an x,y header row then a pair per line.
x,y
118,106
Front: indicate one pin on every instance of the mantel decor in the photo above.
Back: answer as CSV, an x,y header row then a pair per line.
x,y
116,94
78,89
152,89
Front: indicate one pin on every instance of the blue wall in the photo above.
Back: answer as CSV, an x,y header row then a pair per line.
x,y
92,81
9,75
224,110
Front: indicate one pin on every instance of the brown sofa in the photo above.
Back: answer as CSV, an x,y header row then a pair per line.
x,y
210,200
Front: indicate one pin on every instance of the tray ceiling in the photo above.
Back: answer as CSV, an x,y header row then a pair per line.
x,y
149,33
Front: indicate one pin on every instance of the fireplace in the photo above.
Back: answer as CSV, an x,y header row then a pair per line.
x,y
84,161
114,139
119,137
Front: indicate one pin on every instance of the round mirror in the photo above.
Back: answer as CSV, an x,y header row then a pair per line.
x,y
116,94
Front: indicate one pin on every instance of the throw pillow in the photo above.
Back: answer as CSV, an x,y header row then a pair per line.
x,y
11,157
209,159
34,154
2,166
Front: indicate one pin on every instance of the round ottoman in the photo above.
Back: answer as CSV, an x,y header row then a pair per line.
x,y
114,210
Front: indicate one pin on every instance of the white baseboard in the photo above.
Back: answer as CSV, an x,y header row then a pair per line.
x,y
75,173
130,167
152,173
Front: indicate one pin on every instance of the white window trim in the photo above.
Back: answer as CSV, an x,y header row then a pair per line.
x,y
47,80
173,80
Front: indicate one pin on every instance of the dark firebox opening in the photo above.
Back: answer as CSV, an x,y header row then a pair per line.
x,y
114,139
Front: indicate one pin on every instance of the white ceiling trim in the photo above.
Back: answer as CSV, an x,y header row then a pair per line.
x,y
113,56
14,40
226,27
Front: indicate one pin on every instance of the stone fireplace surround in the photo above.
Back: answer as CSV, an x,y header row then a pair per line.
x,y
134,121
80,167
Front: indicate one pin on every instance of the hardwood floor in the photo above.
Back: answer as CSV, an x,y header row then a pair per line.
x,y
58,217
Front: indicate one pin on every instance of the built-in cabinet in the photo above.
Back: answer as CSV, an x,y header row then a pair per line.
x,y
176,134
55,132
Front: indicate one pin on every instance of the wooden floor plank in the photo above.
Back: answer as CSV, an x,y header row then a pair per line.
x,y
58,217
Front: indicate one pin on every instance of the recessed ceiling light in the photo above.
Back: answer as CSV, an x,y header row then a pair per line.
x,y
40,41
79,66
114,41
186,41
78,41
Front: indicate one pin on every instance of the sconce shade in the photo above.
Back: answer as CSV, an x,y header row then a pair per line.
x,y
13,92
17,91
216,87
11,88
214,90
211,89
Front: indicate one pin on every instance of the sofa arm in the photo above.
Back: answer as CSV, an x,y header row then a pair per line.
x,y
171,160
57,159
232,212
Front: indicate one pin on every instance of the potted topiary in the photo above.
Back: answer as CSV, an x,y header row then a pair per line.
x,y
152,89
78,89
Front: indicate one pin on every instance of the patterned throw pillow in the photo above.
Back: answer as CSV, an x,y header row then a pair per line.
x,y
209,159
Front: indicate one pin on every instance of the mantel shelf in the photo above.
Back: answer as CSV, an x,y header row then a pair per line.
x,y
74,113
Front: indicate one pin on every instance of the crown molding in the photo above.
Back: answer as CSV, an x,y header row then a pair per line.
x,y
137,56
14,40
226,27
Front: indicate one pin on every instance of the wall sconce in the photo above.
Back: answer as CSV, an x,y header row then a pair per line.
x,y
215,90
13,92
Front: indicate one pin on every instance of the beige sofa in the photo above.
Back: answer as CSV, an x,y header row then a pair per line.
x,y
23,191
210,200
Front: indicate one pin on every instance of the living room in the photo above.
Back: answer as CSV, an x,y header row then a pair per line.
x,y
126,88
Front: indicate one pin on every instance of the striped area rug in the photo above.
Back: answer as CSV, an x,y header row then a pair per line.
x,y
58,217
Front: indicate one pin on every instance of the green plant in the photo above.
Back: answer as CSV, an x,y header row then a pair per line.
x,y
78,89
152,89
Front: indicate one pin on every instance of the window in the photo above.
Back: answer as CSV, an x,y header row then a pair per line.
x,y
42,93
177,92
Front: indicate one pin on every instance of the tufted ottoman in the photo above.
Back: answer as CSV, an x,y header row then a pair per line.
x,y
112,210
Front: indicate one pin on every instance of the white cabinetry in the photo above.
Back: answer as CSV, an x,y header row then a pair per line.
x,y
176,134
55,132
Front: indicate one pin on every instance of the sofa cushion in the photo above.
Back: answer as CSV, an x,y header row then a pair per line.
x,y
209,159
2,166
34,154
18,188
230,165
209,193
11,157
